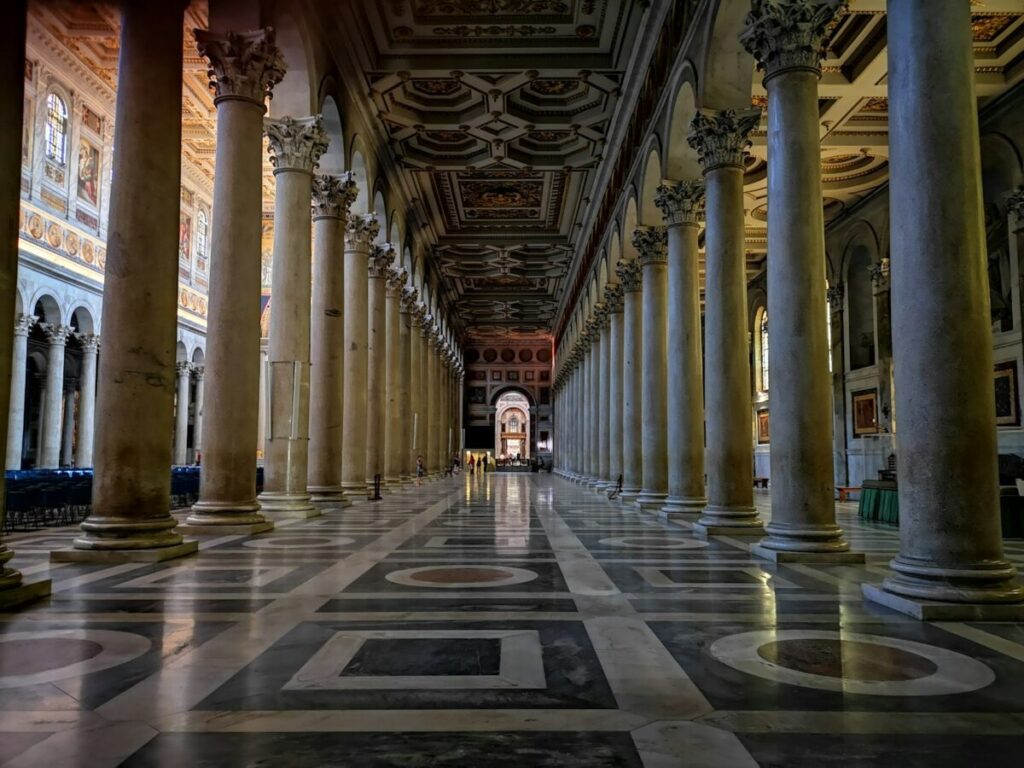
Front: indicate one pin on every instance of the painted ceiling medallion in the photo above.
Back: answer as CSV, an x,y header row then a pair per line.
x,y
985,28
446,137
499,194
554,86
489,7
443,87
494,30
548,136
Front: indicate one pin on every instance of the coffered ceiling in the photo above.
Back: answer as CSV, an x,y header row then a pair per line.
x,y
498,110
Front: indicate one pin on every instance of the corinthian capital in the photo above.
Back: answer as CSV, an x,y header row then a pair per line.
x,y
296,144
409,297
381,257
1015,205
361,231
244,65
90,341
332,195
396,281
22,324
652,243
681,202
613,298
630,275
721,138
57,335
789,34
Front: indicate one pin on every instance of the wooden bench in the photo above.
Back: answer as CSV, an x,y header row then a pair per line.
x,y
844,491
761,482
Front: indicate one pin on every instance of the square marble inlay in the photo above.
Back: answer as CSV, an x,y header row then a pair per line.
x,y
387,660
220,576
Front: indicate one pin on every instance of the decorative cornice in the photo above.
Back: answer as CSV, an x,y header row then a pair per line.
x,y
332,195
785,35
630,276
295,144
652,243
243,66
721,138
361,231
681,202
613,298
23,323
381,257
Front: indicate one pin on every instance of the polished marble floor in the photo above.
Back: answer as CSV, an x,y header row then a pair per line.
x,y
499,620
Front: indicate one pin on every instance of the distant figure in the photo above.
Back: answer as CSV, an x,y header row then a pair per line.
x,y
472,465
421,470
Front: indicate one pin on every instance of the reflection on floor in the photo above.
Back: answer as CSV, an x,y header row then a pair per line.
x,y
507,620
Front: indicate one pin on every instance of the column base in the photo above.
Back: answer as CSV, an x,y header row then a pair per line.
x,y
329,496
806,544
629,495
933,610
837,557
985,583
279,505
218,517
25,592
117,556
728,521
683,505
650,501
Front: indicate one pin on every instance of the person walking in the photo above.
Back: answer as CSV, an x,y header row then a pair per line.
x,y
421,470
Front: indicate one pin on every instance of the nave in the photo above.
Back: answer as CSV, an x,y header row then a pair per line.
x,y
501,620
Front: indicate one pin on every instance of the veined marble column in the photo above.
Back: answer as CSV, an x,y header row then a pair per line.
x,y
296,146
834,295
682,204
951,563
430,395
651,243
361,232
721,141
603,381
434,449
631,279
332,196
381,257
392,379
56,336
406,390
423,430
130,517
787,38
184,370
68,429
87,399
16,412
585,403
244,69
13,590
199,377
594,396
416,383
613,299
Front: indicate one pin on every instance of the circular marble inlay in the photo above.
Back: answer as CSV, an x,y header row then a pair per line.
x,y
850,662
461,576
299,542
653,542
44,656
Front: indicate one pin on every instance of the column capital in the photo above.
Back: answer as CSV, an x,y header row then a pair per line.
x,y
23,323
786,35
409,297
381,257
681,202
184,368
361,231
296,144
630,275
880,274
396,282
90,341
332,195
243,65
198,372
1015,205
834,294
652,243
613,298
721,138
601,319
57,335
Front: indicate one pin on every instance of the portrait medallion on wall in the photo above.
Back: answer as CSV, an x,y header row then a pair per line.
x,y
763,427
1007,396
865,412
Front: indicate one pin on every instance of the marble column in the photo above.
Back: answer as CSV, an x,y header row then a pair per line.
x,y
130,517
834,295
721,141
951,563
613,299
184,371
244,69
56,337
434,395
631,279
585,403
423,422
682,204
594,398
361,232
651,243
604,478
296,146
406,388
87,400
332,196
199,379
392,379
381,257
13,590
67,443
416,383
16,412
787,38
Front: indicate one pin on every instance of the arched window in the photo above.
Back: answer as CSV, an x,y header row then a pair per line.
x,y
513,424
56,128
202,230
763,342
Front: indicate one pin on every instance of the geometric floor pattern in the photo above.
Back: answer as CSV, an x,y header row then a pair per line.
x,y
498,620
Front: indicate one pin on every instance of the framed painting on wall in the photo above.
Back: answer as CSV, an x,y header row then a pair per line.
x,y
495,375
865,412
1007,395
763,427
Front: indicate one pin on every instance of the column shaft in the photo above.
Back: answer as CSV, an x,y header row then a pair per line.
x,y
87,402
16,412
54,401
392,378
632,380
651,241
615,388
184,371
68,429
603,407
376,352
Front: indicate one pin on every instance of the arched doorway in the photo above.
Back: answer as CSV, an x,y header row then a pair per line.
x,y
512,427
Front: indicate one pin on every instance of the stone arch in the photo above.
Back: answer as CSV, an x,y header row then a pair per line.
x,y
681,162
81,320
295,95
380,210
614,252
727,71
47,309
333,160
198,356
649,212
395,232
496,395
629,223
861,254
357,165
180,352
